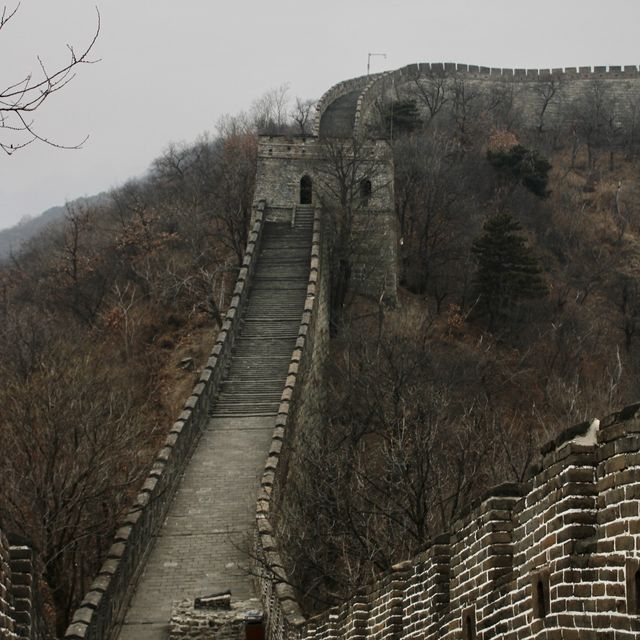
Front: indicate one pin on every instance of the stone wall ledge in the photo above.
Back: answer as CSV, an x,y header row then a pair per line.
x,y
278,596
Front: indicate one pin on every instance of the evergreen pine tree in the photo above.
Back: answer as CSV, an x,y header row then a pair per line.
x,y
508,273
522,165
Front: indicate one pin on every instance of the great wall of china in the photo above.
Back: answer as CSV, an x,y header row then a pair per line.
x,y
555,557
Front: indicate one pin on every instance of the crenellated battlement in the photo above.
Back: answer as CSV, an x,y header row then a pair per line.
x,y
557,555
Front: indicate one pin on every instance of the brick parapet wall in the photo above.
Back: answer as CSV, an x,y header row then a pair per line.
x,y
7,611
28,609
21,611
282,610
555,557
102,610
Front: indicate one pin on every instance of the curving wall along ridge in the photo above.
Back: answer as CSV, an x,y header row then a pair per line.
x,y
375,85
335,92
391,83
104,605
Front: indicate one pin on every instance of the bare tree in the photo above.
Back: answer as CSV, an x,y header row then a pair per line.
x,y
432,92
301,114
71,455
403,451
270,112
596,122
547,91
352,175
20,99
502,105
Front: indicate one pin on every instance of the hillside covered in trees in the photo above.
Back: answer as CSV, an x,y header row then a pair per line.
x,y
518,314
105,318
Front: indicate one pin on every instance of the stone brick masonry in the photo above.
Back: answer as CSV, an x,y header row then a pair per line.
x,y
7,611
556,557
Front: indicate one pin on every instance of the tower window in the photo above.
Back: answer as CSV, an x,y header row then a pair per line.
x,y
365,192
632,579
541,604
469,623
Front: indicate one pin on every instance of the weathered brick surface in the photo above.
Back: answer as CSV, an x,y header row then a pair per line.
x,y
189,623
555,557
7,611
29,620
21,612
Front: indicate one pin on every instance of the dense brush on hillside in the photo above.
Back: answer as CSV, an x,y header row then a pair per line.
x,y
95,316
519,315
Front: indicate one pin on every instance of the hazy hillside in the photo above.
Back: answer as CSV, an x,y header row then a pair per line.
x,y
96,314
13,238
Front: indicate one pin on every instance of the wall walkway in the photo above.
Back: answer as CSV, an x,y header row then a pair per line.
x,y
204,544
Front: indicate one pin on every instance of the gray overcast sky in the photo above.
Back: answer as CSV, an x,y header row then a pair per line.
x,y
168,70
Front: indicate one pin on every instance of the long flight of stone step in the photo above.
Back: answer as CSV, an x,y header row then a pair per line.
x,y
262,350
199,550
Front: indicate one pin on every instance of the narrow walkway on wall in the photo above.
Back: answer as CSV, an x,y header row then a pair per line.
x,y
201,548
337,120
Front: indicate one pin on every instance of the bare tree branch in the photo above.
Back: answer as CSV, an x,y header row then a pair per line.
x,y
22,98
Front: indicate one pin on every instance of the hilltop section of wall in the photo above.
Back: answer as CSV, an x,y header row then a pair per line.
x,y
556,557
525,93
336,92
102,610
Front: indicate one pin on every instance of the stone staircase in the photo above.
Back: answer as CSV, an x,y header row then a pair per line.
x,y
254,380
204,544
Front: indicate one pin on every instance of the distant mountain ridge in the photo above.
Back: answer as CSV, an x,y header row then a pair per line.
x,y
13,238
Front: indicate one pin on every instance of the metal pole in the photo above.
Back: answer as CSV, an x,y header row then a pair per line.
x,y
370,55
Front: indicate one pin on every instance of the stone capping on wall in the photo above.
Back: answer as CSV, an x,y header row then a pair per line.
x,y
370,90
335,92
366,98
584,496
27,603
279,599
101,612
7,609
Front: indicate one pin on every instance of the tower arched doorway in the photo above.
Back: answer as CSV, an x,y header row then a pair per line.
x,y
306,190
365,192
